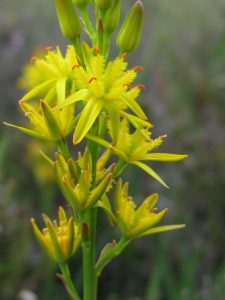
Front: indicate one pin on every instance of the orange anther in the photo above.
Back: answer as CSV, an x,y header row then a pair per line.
x,y
128,85
114,242
48,49
124,55
33,59
97,50
155,210
92,79
75,66
140,86
138,68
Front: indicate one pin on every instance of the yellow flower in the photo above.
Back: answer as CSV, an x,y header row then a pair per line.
x,y
75,180
49,76
59,241
133,221
103,87
47,123
136,147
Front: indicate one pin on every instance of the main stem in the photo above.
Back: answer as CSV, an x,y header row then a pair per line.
x,y
88,247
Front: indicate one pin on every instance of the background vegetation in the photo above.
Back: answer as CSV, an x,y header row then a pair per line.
x,y
183,52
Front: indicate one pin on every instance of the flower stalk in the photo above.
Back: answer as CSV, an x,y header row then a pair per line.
x,y
86,98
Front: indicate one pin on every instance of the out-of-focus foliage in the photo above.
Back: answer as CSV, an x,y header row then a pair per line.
x,y
183,52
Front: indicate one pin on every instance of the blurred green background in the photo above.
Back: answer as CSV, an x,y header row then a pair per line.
x,y
183,52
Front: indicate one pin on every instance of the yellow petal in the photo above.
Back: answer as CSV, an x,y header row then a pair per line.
x,y
77,96
61,90
87,118
150,171
162,229
27,131
41,88
164,157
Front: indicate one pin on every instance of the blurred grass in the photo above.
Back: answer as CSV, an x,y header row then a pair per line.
x,y
183,52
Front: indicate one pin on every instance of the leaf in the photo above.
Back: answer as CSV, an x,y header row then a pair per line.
x,y
150,171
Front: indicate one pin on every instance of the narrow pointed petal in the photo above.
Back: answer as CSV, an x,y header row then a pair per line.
x,y
147,204
70,237
99,190
135,107
55,243
27,131
39,236
164,157
162,229
136,121
98,140
75,97
150,171
62,215
115,122
41,88
87,118
105,205
61,90
50,121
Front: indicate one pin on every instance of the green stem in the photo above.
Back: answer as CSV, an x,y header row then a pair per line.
x,y
68,282
88,251
119,168
79,51
115,250
88,24
64,148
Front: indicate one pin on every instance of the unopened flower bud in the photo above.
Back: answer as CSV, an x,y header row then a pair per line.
x,y
103,4
81,3
68,19
112,17
130,32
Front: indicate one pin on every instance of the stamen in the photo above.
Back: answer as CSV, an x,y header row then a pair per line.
x,y
97,49
47,49
114,242
33,59
124,55
92,79
128,85
140,86
138,68
75,66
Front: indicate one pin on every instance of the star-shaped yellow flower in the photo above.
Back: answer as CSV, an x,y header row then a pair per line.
x,y
136,148
59,241
133,221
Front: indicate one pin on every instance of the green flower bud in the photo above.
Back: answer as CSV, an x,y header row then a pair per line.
x,y
103,4
81,3
130,32
112,17
68,19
